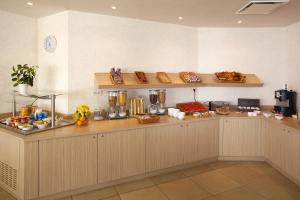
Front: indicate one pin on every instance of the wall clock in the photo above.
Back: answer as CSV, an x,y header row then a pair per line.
x,y
50,43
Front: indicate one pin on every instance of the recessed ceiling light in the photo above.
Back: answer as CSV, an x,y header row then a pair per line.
x,y
114,7
240,21
29,3
180,18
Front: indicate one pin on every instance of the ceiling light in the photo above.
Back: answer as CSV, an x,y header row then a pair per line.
x,y
240,21
114,7
29,3
180,18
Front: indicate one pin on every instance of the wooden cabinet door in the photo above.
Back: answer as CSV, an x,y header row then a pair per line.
x,y
201,140
241,137
265,137
282,147
108,157
121,154
164,146
275,144
132,151
296,154
67,163
291,153
10,176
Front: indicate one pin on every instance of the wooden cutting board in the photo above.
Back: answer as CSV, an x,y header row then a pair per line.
x,y
141,77
219,78
184,78
163,77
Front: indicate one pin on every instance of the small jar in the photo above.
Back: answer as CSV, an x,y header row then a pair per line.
x,y
99,114
25,111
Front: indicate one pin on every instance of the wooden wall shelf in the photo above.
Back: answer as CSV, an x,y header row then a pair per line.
x,y
103,81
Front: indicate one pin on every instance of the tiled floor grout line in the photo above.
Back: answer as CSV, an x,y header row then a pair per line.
x,y
162,192
239,187
115,188
118,193
198,186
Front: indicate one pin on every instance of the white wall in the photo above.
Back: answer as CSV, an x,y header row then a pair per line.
x,y
260,51
89,43
292,67
18,46
53,72
98,42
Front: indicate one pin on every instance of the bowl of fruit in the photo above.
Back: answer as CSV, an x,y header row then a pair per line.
x,y
82,115
41,124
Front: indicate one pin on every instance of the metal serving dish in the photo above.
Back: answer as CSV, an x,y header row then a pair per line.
x,y
63,123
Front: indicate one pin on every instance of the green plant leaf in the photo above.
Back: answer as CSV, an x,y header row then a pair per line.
x,y
24,74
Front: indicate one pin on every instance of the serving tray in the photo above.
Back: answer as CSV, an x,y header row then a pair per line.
x,y
240,78
191,107
163,77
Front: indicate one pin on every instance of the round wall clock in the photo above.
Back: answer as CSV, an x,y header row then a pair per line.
x,y
50,43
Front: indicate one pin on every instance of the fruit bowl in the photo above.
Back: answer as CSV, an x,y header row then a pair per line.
x,y
81,116
41,124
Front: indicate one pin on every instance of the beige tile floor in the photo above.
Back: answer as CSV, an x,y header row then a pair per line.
x,y
215,181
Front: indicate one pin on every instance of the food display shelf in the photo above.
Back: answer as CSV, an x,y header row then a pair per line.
x,y
103,81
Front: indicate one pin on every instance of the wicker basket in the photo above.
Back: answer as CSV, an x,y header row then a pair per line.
x,y
151,119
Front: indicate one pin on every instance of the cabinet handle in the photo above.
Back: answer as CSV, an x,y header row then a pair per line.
x,y
181,125
94,137
101,135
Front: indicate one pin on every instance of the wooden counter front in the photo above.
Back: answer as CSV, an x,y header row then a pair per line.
x,y
98,155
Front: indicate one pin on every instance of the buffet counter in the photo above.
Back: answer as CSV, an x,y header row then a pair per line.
x,y
71,160
107,126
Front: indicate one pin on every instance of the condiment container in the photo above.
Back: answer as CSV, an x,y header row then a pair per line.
x,y
99,114
137,106
25,111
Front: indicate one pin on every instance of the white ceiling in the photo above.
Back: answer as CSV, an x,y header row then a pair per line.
x,y
199,13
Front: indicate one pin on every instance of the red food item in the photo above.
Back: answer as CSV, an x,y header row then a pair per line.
x,y
191,107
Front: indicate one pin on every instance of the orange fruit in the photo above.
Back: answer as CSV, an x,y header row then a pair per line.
x,y
79,123
85,122
82,119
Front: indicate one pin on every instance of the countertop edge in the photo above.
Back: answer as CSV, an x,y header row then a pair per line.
x,y
109,126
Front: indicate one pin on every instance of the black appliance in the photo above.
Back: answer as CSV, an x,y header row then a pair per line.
x,y
248,105
212,105
286,102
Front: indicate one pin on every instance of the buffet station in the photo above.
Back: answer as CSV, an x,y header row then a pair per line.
x,y
132,139
32,119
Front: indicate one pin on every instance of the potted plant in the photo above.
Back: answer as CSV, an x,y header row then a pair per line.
x,y
22,76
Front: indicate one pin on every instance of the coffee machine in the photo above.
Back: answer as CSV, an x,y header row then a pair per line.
x,y
286,102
